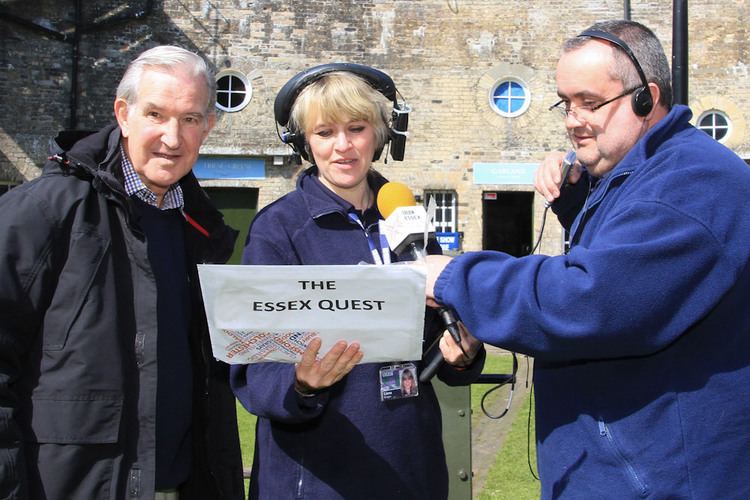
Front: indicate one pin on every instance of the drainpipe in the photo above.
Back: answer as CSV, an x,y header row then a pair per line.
x,y
680,52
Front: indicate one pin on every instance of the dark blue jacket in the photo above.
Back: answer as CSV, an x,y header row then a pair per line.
x,y
78,324
343,442
641,334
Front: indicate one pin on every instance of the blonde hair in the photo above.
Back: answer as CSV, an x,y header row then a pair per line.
x,y
339,97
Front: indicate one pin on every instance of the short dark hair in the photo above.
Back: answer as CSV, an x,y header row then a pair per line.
x,y
647,50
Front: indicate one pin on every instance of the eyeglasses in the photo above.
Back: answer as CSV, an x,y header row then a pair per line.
x,y
585,112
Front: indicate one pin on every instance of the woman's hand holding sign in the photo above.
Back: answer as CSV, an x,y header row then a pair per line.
x,y
313,374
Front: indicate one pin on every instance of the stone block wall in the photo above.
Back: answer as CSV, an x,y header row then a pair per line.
x,y
443,55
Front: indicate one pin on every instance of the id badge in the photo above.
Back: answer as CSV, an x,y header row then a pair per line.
x,y
398,381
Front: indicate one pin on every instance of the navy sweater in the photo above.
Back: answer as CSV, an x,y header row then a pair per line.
x,y
165,237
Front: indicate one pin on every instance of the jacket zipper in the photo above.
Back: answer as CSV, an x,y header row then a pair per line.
x,y
581,220
639,485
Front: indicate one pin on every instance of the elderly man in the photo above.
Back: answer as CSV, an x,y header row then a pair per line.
x,y
108,388
641,334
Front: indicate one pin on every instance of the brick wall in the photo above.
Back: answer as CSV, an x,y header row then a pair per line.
x,y
443,55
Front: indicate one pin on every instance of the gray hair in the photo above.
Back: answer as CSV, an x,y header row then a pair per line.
x,y
166,57
647,49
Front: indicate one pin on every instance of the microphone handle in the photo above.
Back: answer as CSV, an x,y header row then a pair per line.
x,y
432,367
418,252
451,323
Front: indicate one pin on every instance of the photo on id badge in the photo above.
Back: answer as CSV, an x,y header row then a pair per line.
x,y
398,381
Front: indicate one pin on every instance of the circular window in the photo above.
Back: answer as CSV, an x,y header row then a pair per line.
x,y
716,124
233,91
509,97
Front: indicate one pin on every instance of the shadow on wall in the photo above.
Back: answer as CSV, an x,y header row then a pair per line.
x,y
59,67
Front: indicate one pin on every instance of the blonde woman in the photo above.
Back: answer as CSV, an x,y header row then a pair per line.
x,y
329,427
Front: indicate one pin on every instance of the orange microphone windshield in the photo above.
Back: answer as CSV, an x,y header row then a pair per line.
x,y
393,195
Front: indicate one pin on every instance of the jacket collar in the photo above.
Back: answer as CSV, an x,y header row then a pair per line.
x,y
677,119
636,159
89,155
96,157
321,201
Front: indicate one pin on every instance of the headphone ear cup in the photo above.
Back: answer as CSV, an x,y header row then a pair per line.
x,y
298,144
296,141
643,103
398,131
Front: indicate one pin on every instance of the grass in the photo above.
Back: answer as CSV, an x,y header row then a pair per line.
x,y
246,424
508,478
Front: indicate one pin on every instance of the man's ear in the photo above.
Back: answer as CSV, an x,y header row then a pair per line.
x,y
655,96
121,114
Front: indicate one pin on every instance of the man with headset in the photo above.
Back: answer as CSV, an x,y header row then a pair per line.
x,y
641,333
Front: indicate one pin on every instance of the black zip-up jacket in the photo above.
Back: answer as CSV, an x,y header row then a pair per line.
x,y
78,324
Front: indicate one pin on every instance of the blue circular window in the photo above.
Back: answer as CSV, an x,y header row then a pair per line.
x,y
510,97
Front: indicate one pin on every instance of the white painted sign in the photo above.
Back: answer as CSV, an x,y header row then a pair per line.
x,y
270,313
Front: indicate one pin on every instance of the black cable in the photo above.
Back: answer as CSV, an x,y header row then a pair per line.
x,y
512,381
528,432
541,229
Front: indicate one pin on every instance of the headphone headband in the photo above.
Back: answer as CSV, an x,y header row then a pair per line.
x,y
282,107
642,101
603,35
381,82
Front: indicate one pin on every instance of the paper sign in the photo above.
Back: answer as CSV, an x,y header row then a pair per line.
x,y
270,313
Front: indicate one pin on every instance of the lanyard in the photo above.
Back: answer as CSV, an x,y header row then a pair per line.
x,y
376,248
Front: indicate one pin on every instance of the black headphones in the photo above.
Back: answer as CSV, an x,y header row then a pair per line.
x,y
642,101
381,82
